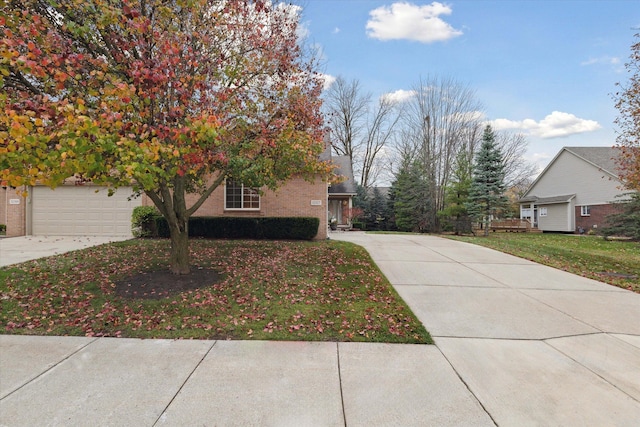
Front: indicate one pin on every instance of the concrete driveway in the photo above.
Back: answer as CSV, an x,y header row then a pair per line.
x,y
517,344
534,345
14,250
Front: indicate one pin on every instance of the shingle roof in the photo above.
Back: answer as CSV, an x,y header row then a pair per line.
x,y
343,168
602,157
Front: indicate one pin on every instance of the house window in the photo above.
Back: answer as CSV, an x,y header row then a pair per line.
x,y
543,212
238,197
585,210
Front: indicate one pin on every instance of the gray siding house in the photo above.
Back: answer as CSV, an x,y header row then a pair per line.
x,y
574,193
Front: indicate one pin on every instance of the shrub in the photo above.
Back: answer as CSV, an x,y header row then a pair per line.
x,y
291,228
625,223
3,228
144,221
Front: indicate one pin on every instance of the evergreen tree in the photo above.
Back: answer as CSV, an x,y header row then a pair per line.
x,y
361,201
411,204
457,195
380,212
486,195
627,222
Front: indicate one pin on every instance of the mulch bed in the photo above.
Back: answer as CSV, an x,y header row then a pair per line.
x,y
162,283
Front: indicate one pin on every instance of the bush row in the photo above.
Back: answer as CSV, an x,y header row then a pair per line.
x,y
149,223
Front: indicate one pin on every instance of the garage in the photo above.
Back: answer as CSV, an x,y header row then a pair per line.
x,y
81,210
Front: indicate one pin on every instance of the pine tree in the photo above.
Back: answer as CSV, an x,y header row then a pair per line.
x,y
411,204
486,196
627,222
457,195
381,211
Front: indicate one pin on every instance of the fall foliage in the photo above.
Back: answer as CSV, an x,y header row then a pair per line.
x,y
628,121
170,97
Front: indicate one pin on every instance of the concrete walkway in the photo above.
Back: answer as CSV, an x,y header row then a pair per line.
x,y
516,344
14,250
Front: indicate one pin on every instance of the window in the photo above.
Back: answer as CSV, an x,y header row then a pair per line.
x,y
237,196
585,210
543,211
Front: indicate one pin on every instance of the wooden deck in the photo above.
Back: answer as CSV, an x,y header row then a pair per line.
x,y
513,226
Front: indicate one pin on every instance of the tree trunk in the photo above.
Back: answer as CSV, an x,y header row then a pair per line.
x,y
172,206
179,258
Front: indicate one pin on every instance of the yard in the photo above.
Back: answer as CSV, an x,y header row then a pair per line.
x,y
323,291
614,262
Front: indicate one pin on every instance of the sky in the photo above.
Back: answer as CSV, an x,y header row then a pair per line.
x,y
545,68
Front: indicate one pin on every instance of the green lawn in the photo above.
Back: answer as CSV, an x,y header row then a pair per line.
x,y
324,291
614,262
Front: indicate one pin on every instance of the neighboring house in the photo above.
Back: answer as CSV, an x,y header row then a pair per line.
x,y
69,210
574,193
85,209
341,194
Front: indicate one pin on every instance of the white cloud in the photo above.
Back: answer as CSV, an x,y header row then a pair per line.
x,y
555,125
607,60
407,21
399,95
336,30
328,80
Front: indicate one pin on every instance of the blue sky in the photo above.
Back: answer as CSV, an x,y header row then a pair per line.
x,y
543,68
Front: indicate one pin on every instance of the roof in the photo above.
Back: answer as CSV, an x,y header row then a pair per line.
x,y
548,200
343,168
603,158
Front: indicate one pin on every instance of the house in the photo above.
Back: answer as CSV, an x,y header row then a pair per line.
x,y
574,193
80,208
340,201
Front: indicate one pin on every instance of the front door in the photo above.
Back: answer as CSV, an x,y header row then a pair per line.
x,y
335,208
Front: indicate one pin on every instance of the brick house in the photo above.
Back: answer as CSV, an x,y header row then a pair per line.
x,y
341,194
575,192
85,209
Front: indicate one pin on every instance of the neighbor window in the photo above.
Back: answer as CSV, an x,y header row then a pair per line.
x,y
237,196
543,211
585,210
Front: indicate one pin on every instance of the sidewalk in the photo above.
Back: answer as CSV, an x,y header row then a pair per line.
x,y
517,343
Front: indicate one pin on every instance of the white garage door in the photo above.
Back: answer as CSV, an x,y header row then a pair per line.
x,y
76,211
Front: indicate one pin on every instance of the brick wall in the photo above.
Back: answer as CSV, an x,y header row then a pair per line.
x,y
597,216
293,199
13,215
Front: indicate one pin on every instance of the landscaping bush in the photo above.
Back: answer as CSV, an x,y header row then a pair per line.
x,y
290,228
144,221
296,228
3,228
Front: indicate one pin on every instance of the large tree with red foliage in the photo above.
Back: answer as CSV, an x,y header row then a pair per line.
x,y
170,96
628,121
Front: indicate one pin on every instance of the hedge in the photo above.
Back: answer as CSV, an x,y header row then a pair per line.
x,y
292,228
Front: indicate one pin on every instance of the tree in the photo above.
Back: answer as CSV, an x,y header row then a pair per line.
x,y
380,212
346,110
380,131
626,222
170,97
440,120
361,131
517,170
486,195
410,201
457,195
628,104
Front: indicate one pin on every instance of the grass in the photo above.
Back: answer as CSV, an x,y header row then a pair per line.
x,y
322,291
614,262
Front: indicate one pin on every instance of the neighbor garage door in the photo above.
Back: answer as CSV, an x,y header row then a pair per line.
x,y
80,210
